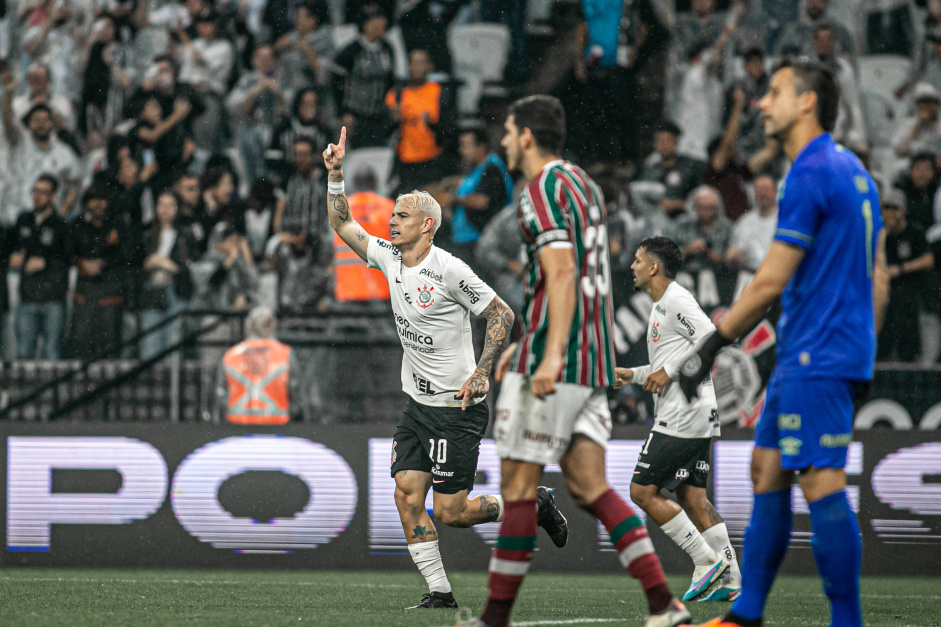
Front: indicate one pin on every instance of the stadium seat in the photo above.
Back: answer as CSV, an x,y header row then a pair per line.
x,y
881,74
379,159
880,118
480,53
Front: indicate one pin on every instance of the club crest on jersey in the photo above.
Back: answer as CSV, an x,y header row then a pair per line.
x,y
425,299
655,332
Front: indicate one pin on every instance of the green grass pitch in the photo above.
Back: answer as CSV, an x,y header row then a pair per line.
x,y
139,598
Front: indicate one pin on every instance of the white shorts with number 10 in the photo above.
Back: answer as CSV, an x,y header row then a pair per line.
x,y
528,429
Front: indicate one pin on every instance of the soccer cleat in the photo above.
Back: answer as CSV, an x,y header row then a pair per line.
x,y
705,576
675,615
719,622
550,518
722,590
436,601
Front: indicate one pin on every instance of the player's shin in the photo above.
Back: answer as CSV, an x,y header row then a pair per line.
x,y
630,539
510,560
838,553
718,538
428,560
684,533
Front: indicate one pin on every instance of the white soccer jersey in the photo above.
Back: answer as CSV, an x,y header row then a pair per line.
x,y
676,322
431,303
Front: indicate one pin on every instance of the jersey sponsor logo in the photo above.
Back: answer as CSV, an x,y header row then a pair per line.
x,y
686,324
682,473
425,299
643,465
548,439
547,237
841,440
471,294
423,385
441,473
661,310
655,332
789,422
702,466
428,272
384,244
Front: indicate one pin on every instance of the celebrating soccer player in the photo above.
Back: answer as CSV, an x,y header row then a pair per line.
x,y
553,407
437,440
676,453
827,264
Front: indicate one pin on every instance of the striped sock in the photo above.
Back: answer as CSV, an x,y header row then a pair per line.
x,y
630,539
510,560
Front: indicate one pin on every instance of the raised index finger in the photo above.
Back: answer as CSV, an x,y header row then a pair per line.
x,y
342,143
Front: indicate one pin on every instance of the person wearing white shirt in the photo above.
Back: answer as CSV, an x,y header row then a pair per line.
x,y
676,453
40,90
753,233
206,65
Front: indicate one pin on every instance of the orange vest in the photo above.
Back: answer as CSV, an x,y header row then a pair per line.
x,y
417,142
257,372
354,280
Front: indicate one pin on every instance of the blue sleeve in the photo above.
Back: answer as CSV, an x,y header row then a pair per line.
x,y
799,211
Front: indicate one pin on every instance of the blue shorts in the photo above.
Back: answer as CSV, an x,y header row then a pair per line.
x,y
810,420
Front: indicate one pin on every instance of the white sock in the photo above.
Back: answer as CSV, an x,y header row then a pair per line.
x,y
428,559
718,538
682,531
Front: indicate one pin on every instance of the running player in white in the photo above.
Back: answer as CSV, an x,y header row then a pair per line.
x,y
676,453
437,440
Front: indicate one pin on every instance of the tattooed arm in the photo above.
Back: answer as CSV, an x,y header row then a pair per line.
x,y
338,207
499,323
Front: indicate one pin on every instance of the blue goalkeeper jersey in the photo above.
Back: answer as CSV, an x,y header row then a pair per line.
x,y
829,206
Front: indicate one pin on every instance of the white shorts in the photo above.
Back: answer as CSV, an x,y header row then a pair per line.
x,y
528,429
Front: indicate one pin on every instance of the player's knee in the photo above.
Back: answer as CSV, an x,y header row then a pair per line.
x,y
643,494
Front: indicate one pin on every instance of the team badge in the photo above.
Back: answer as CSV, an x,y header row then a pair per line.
x,y
425,299
655,332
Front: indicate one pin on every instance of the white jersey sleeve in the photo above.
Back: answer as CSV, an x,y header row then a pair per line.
x,y
381,255
467,288
688,320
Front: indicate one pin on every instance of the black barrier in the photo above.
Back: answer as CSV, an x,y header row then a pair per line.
x,y
189,495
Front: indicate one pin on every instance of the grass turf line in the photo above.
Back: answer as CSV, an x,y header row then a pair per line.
x,y
140,598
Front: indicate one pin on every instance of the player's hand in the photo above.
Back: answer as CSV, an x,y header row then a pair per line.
x,y
657,381
476,387
503,366
333,155
546,375
624,376
698,364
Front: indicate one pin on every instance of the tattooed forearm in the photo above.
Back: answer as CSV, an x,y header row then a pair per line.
x,y
499,323
489,508
424,534
339,209
335,176
361,235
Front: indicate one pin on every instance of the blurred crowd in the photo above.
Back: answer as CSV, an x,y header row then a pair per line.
x,y
161,155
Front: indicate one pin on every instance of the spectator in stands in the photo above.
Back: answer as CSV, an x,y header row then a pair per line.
x,y
6,251
161,81
353,281
418,110
481,194
702,25
232,283
157,140
424,25
305,120
33,153
52,39
364,73
919,184
101,250
106,76
850,127
754,85
127,188
263,209
167,284
498,257
305,210
704,237
39,83
188,218
753,233
797,38
259,381
726,172
679,174
700,104
890,28
908,257
921,133
254,105
206,64
41,255
306,52
218,200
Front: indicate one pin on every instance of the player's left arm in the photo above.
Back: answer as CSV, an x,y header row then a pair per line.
x,y
499,324
880,282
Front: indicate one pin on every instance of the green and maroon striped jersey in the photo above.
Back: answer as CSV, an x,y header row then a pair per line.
x,y
563,207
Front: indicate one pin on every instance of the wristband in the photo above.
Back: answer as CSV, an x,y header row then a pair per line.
x,y
336,187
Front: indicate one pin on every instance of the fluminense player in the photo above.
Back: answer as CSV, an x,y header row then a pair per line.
x,y
827,264
675,455
437,440
552,406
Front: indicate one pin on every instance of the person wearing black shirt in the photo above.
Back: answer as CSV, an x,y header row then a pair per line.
x,y
100,248
919,185
161,82
41,254
304,121
158,139
908,257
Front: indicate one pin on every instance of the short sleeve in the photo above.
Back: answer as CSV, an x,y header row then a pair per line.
x,y
380,254
799,210
466,288
542,217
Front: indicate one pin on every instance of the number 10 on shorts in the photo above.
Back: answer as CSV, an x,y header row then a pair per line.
x,y
442,450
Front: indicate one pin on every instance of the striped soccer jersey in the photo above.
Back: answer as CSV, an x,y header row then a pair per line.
x,y
563,207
